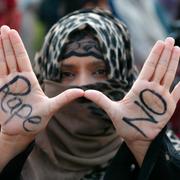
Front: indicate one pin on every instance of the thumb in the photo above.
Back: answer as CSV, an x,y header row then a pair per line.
x,y
100,99
176,92
64,98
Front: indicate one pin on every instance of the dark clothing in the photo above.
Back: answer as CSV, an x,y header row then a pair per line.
x,y
12,171
162,161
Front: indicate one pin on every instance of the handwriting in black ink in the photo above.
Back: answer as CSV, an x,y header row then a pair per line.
x,y
12,102
145,108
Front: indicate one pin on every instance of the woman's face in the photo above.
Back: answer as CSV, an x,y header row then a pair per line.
x,y
79,71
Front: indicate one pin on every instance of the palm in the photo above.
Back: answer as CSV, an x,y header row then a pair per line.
x,y
21,100
25,110
148,106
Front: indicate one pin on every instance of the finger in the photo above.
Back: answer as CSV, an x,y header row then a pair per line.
x,y
163,63
3,66
151,62
176,92
171,71
8,50
64,98
100,99
22,58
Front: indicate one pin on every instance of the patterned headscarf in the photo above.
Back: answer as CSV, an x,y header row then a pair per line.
x,y
78,143
113,38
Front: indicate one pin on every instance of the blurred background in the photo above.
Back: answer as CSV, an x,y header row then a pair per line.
x,y
147,21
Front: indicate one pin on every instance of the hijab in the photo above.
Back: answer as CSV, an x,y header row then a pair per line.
x,y
80,140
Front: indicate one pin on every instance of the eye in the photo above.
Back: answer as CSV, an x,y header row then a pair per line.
x,y
67,75
100,72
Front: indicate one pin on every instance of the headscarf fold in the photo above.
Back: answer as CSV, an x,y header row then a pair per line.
x,y
80,140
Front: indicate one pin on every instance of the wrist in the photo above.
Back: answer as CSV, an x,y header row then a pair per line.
x,y
10,147
138,149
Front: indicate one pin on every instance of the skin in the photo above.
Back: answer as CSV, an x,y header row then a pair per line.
x,y
157,76
103,4
82,70
14,62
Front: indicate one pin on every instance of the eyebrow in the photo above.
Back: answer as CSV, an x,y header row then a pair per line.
x,y
98,63
93,63
67,65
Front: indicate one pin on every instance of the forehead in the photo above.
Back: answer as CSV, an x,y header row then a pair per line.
x,y
88,60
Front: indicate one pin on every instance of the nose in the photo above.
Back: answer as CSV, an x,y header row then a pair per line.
x,y
83,79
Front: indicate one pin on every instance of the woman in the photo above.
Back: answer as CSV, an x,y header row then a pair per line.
x,y
88,49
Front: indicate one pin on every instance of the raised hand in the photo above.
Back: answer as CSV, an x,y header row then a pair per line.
x,y
24,109
149,105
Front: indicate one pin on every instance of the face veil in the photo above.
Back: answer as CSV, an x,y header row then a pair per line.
x,y
77,144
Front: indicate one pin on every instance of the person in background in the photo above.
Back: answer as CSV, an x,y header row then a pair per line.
x,y
9,14
58,8
49,11
143,23
102,4
30,33
168,11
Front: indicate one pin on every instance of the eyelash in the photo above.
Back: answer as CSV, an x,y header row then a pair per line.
x,y
100,72
69,75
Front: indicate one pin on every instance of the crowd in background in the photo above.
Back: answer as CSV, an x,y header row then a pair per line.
x,y
147,22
